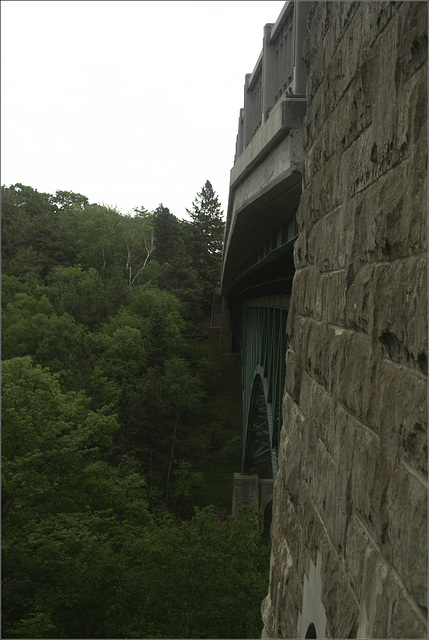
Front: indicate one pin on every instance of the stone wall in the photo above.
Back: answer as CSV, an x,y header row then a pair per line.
x,y
349,528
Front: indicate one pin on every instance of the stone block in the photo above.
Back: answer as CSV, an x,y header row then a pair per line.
x,y
330,417
285,587
291,436
400,317
341,607
294,330
334,288
411,41
354,111
365,467
320,58
406,518
321,474
351,370
291,602
406,620
319,153
340,361
390,220
387,610
359,299
300,252
355,545
337,596
308,292
340,486
311,523
346,60
293,376
356,171
324,194
325,254
317,405
376,16
312,338
267,617
401,421
411,119
374,600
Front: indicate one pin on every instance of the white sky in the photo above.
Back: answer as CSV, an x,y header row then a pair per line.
x,y
131,103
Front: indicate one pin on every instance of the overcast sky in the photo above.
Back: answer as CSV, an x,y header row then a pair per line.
x,y
129,103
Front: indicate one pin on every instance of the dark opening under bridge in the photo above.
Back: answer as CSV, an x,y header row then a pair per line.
x,y
258,266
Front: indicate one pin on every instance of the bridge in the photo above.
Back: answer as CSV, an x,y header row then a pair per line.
x,y
258,266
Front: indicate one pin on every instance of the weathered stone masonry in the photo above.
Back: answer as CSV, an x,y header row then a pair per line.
x,y
349,529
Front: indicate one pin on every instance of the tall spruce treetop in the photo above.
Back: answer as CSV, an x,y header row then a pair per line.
x,y
206,216
166,231
205,246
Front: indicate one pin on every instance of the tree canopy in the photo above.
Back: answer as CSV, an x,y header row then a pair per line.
x,y
121,427
207,231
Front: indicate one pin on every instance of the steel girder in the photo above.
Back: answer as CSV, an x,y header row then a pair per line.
x,y
264,369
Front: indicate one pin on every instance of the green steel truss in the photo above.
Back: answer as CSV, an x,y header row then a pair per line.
x,y
264,370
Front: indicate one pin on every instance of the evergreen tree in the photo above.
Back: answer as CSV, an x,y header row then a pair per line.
x,y
207,238
166,233
207,218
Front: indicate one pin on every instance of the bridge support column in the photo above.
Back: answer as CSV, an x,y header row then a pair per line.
x,y
245,492
250,491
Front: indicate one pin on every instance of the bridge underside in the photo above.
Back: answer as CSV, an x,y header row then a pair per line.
x,y
258,293
259,255
258,269
263,358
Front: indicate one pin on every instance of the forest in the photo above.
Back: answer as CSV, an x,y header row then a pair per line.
x,y
121,427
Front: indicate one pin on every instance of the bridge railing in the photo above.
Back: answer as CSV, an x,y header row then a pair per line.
x,y
253,109
282,43
279,71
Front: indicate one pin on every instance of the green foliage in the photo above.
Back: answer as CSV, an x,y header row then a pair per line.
x,y
120,425
95,231
207,238
208,582
31,327
206,216
34,236
136,244
65,199
186,480
161,325
179,276
83,557
166,229
81,294
63,508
